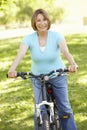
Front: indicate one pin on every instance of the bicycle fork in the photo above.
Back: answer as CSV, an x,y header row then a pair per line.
x,y
38,110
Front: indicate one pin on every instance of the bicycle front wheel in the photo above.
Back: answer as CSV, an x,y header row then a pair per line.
x,y
46,122
45,125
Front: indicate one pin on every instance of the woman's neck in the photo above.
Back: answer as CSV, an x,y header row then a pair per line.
x,y
42,37
42,34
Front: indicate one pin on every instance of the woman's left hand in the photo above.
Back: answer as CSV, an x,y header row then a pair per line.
x,y
73,68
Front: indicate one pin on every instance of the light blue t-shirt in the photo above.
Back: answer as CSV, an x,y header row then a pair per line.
x,y
49,59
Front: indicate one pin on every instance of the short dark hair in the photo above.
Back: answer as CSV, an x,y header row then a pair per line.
x,y
44,13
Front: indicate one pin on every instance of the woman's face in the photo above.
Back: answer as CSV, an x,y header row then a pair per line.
x,y
41,23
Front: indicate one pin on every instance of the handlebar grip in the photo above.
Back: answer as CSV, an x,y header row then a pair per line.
x,y
12,77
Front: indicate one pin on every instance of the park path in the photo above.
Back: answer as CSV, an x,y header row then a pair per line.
x,y
62,28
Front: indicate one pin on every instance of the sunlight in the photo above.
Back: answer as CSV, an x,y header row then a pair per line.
x,y
4,85
80,117
4,105
8,90
83,79
5,64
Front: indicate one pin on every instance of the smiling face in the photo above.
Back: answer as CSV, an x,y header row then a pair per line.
x,y
41,23
40,20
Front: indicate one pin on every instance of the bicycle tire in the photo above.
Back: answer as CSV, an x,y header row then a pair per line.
x,y
45,125
46,122
57,122
53,127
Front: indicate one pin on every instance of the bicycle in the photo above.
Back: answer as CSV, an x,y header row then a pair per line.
x,y
51,120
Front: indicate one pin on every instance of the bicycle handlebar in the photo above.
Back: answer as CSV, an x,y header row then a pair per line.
x,y
41,76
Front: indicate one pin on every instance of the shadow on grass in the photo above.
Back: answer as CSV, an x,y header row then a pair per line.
x,y
23,124
16,107
82,125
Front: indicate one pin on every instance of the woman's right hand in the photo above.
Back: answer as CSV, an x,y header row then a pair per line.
x,y
12,74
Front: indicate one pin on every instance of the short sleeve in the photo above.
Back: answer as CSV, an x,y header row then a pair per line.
x,y
26,41
60,38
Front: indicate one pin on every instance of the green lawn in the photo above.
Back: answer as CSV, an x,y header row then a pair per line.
x,y
16,96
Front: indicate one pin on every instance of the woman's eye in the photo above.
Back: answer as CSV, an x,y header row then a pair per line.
x,y
38,20
45,19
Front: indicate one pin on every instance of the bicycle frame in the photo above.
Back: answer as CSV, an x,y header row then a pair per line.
x,y
44,78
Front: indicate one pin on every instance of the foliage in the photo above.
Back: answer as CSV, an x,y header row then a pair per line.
x,y
16,96
7,11
56,14
24,11
19,11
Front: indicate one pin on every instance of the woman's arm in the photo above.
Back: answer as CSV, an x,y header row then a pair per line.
x,y
21,53
64,49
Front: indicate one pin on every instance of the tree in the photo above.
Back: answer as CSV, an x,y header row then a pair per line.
x,y
24,11
13,11
7,11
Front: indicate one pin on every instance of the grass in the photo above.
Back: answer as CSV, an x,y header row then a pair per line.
x,y
16,96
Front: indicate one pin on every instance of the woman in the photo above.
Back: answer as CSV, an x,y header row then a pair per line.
x,y
45,46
